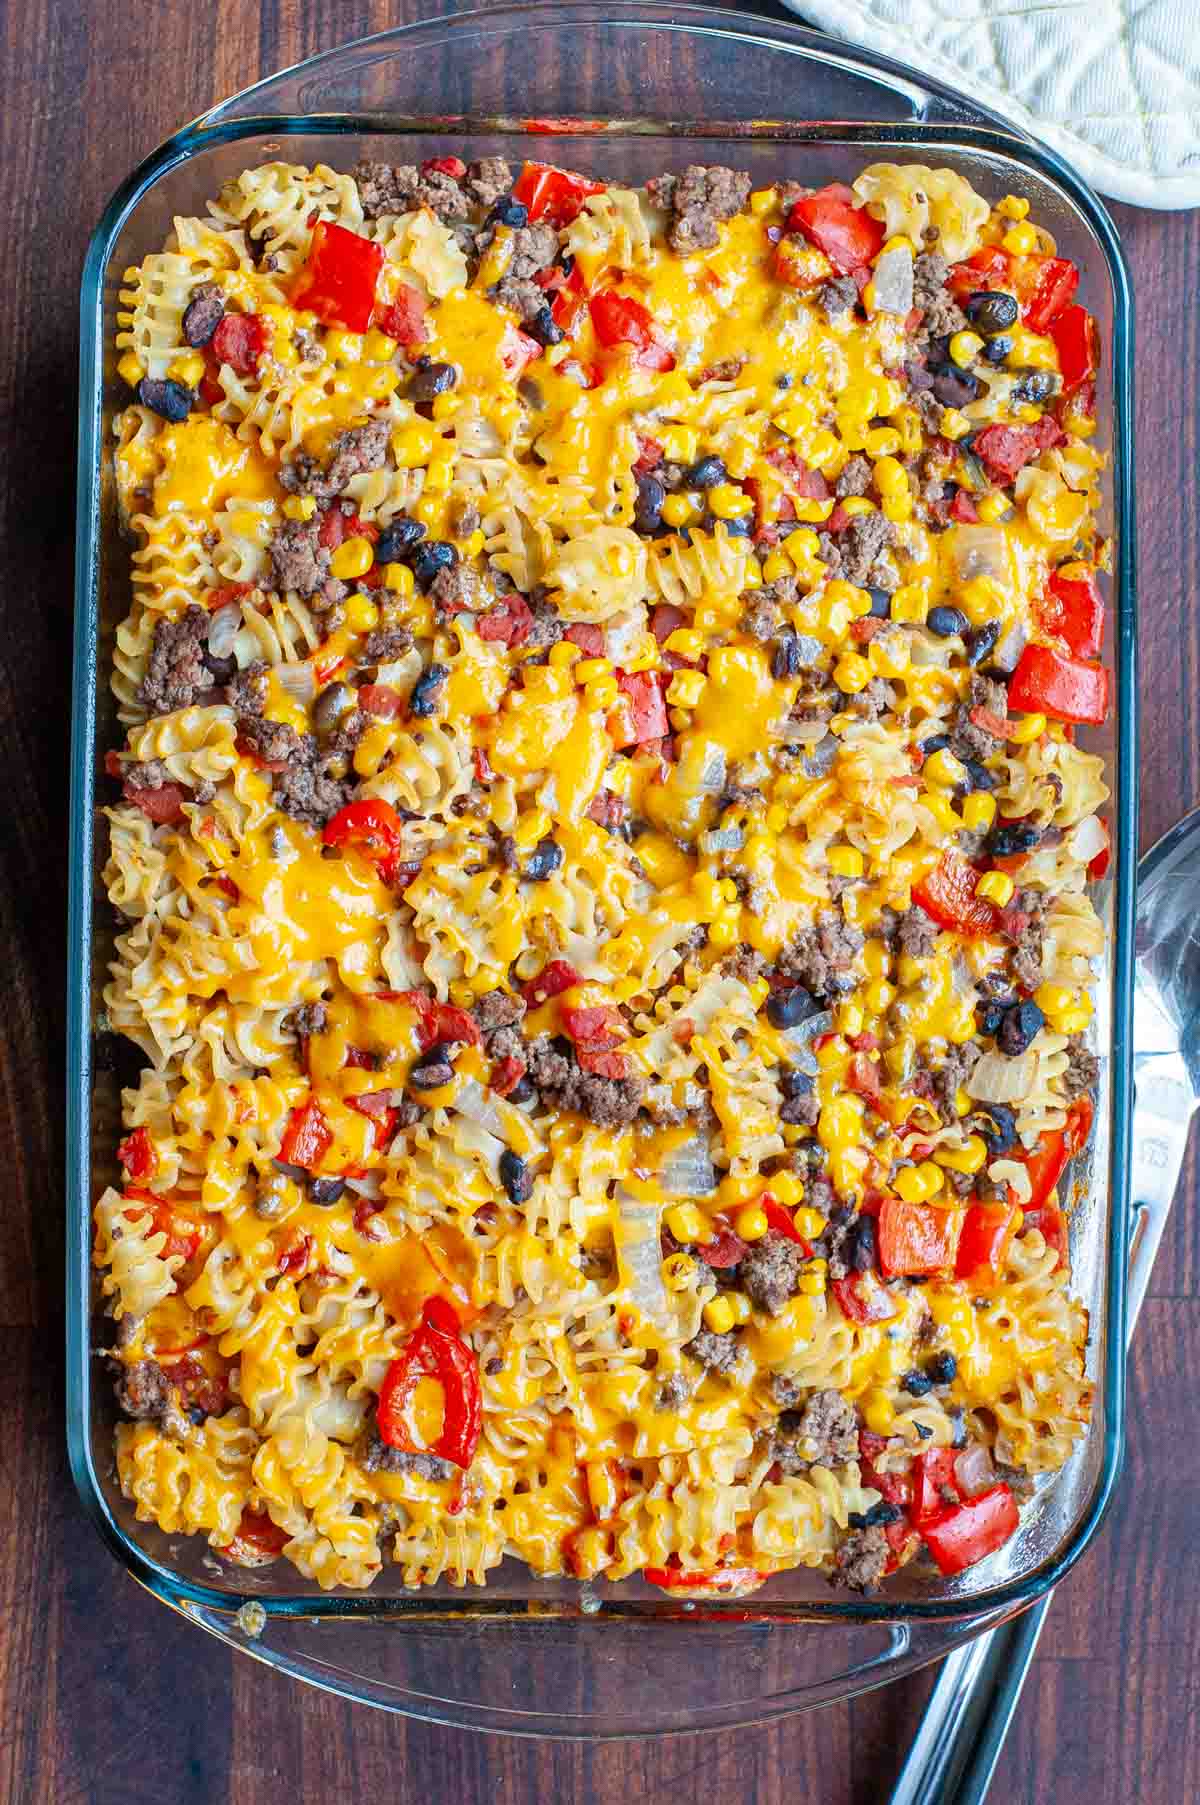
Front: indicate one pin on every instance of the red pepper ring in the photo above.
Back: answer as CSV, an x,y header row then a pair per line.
x,y
436,1350
373,827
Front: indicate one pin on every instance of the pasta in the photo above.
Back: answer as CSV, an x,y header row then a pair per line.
x,y
604,860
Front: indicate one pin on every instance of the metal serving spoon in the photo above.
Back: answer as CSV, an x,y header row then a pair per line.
x,y
955,1750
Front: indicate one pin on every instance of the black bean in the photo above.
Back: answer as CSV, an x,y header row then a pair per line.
x,y
543,861
783,380
988,1017
735,529
980,640
222,670
991,310
1021,1025
430,379
1008,838
201,319
514,1176
923,1430
434,555
544,327
795,1084
325,1190
881,1514
432,1069
786,659
166,398
942,1368
706,474
946,622
1035,385
881,603
522,1090
979,776
954,387
508,212
332,706
397,541
787,1007
862,1247
647,509
918,1384
998,350
996,1126
424,698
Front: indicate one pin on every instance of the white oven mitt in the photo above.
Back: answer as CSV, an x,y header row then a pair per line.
x,y
1112,85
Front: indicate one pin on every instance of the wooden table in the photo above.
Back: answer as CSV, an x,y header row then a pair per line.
x,y
106,1697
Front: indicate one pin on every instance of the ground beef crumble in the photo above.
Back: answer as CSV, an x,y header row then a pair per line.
x,y
820,957
1083,1070
862,1560
698,200
177,673
770,1270
823,1434
609,1102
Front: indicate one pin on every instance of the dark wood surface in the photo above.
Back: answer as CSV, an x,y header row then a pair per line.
x,y
104,1696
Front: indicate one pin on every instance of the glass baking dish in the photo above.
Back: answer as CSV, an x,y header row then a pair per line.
x,y
549,1657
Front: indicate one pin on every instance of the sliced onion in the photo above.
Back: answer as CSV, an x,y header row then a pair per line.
x,y
998,1079
723,839
819,762
1087,839
1007,654
299,680
802,1035
246,648
980,551
974,1471
932,653
712,777
623,634
892,280
366,1186
806,650
479,1106
804,733
223,630
639,1254
689,1172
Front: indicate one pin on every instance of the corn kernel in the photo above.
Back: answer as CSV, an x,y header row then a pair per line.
x,y
473,544
740,1305
762,201
300,507
979,810
130,370
775,564
679,509
846,861
601,693
809,1222
778,817
729,890
685,642
686,1223
965,348
728,502
802,544
810,510
1074,1020
877,958
725,932
343,347
353,558
878,1412
850,1019
785,1187
1027,413
361,614
901,1057
883,441
942,809
954,425
811,1284
752,576
888,655
718,1315
563,654
686,688
587,668
931,1176
1020,239
707,891
1053,998
857,504
944,769
751,1223
992,508
851,673
398,578
996,887
878,996
910,604
1031,351
981,599
462,993
1026,729
413,444
964,1103
680,444
908,425
908,1184
897,508
188,369
1013,206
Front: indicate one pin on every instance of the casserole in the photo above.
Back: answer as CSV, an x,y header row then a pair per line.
x,y
736,59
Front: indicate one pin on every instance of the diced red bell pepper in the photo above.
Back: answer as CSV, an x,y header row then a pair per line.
x,y
293,1262
987,1232
1057,280
183,1235
224,593
588,638
862,1298
846,233
136,1153
649,457
517,352
780,1220
239,341
454,167
507,1074
711,1582
1045,1164
1077,341
435,1350
161,805
1005,450
555,977
555,195
969,1531
338,281
647,705
509,621
933,1477
374,828
437,1021
914,1238
1073,610
306,1138
404,317
569,299
863,1076
483,765
948,894
382,701
620,320
1098,867
988,268
1050,682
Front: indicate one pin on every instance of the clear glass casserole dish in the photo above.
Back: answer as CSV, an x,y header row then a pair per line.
x,y
547,1656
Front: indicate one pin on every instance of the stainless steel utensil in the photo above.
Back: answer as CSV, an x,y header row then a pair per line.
x,y
955,1750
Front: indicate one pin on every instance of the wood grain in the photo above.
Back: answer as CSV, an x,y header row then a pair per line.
x,y
104,1696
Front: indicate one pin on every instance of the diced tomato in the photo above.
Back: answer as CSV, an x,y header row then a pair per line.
x,y
509,621
846,233
404,317
933,1477
948,894
715,1582
294,1260
160,805
588,638
257,1540
555,977
913,1238
644,691
435,1350
240,340
517,352
803,481
1057,280
1077,341
1073,609
839,520
507,1073
1005,450
568,302
454,167
995,724
724,1250
183,1235
650,456
987,1232
665,620
863,1076
224,593
338,281
1050,682
306,1138
600,1024
603,1063
373,828
382,701
136,1153
332,530
963,508
862,1298
988,268
483,765
555,195
439,1021
969,1531
620,320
